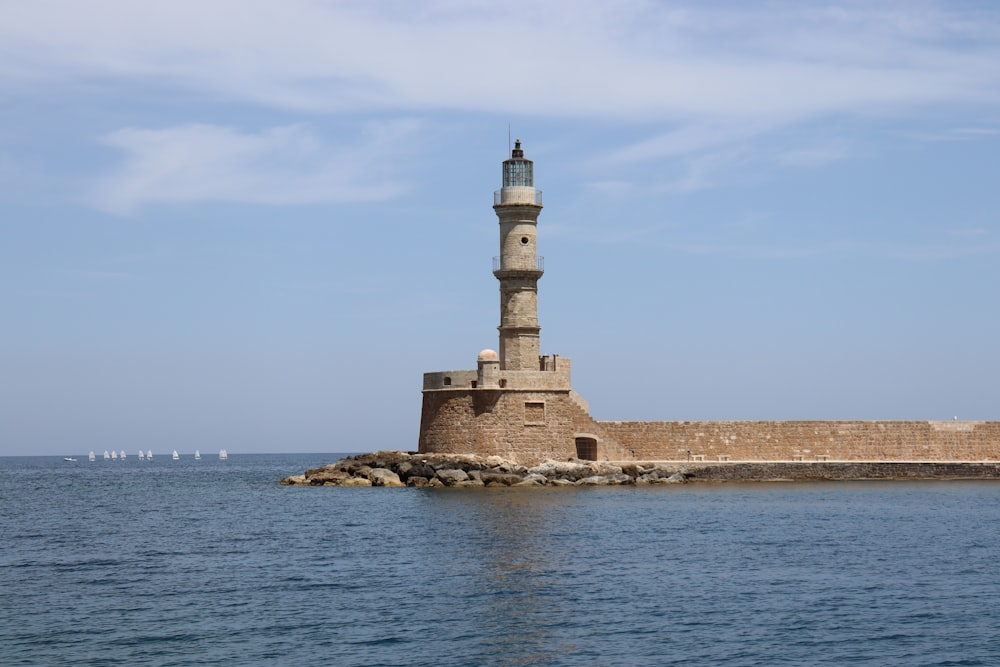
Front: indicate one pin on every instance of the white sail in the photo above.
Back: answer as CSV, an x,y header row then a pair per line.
x,y
141,455
149,455
223,455
122,455
91,456
106,455
197,455
114,456
175,455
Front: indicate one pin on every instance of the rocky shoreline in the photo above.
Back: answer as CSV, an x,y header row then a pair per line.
x,y
399,469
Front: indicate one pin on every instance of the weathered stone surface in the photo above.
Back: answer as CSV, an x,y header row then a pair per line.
x,y
384,477
499,478
533,479
465,470
451,476
563,469
613,479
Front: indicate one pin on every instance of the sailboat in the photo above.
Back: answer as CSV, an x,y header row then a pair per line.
x,y
149,455
91,456
223,455
122,455
197,455
175,456
141,455
114,455
106,455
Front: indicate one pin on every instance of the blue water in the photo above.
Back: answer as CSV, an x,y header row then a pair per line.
x,y
214,563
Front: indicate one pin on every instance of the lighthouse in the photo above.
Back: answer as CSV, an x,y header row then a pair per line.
x,y
518,267
516,403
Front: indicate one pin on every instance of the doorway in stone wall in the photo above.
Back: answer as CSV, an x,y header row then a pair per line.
x,y
586,449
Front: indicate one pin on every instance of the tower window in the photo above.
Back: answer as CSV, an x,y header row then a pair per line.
x,y
524,240
534,413
447,381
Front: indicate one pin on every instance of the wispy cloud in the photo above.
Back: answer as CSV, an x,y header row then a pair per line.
x,y
698,81
279,165
633,60
956,134
813,157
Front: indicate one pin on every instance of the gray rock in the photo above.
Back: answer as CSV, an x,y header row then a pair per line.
x,y
451,476
533,479
356,481
563,469
677,478
416,480
605,480
499,479
606,469
593,480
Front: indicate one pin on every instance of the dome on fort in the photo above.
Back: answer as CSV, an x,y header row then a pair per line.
x,y
488,355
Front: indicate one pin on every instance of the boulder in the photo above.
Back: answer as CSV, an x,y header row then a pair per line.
x,y
451,476
562,469
533,479
606,469
633,470
499,478
605,480
384,477
356,481
416,480
293,480
326,477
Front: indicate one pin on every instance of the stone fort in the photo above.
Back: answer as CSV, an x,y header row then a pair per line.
x,y
520,404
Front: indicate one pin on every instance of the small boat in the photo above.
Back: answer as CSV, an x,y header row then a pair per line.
x,y
122,455
223,455
175,456
141,455
69,458
114,455
91,456
197,455
106,455
149,454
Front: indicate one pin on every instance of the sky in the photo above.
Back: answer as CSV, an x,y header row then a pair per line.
x,y
254,224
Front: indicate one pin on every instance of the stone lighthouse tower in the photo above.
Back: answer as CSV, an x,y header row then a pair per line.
x,y
518,404
517,204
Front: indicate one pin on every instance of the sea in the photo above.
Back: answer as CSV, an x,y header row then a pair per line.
x,y
214,563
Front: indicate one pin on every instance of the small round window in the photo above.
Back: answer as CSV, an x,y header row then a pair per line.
x,y
524,240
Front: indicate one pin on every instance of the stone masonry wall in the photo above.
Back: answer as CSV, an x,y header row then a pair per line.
x,y
807,440
531,425
526,426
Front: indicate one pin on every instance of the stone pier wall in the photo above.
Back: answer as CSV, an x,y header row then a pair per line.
x,y
807,440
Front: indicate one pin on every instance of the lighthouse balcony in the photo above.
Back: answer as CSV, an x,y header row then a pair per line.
x,y
535,263
517,194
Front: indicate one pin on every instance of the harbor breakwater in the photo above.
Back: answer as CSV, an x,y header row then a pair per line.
x,y
398,469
